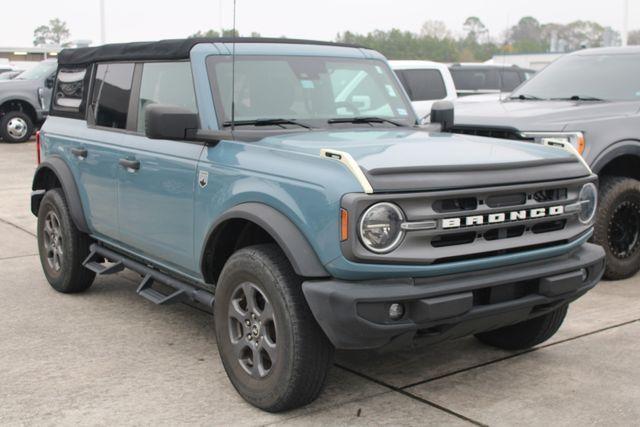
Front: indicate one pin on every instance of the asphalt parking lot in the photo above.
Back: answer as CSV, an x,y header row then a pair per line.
x,y
110,357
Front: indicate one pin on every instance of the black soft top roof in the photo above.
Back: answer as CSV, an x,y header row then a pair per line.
x,y
163,49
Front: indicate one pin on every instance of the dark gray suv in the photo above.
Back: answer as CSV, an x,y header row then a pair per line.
x,y
591,99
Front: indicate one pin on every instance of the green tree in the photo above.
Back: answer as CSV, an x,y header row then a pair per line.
x,y
634,37
56,32
215,34
526,36
475,29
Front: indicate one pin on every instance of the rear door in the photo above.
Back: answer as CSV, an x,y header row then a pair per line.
x,y
95,151
157,178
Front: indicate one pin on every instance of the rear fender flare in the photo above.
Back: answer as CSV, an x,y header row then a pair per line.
x,y
57,166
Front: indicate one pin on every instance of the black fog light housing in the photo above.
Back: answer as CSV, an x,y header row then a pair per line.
x,y
396,311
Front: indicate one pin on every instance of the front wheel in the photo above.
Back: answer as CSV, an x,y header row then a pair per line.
x,y
272,349
617,227
525,334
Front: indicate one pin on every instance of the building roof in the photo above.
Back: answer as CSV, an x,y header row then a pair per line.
x,y
163,49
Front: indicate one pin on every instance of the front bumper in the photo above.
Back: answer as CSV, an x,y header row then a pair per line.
x,y
354,315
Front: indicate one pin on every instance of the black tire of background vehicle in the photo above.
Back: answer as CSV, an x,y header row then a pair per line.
x,y
525,334
4,127
71,277
618,193
304,354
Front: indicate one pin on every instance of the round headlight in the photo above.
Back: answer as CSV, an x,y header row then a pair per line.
x,y
380,227
588,202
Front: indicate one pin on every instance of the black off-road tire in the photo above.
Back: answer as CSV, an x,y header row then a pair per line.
x,y
19,118
303,354
71,246
619,197
525,334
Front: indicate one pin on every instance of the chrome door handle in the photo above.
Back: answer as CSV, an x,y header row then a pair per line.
x,y
130,165
80,153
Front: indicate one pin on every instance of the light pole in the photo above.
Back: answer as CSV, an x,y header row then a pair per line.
x,y
103,30
625,22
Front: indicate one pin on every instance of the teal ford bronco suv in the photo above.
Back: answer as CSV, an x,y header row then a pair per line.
x,y
288,186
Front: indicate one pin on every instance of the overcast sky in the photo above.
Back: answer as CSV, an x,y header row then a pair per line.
x,y
134,20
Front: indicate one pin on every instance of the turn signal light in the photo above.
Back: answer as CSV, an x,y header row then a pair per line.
x,y
38,146
344,225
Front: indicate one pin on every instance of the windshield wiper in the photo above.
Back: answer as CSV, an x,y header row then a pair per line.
x,y
363,119
266,122
579,98
527,97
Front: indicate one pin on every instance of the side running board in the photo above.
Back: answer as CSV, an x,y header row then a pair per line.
x,y
105,261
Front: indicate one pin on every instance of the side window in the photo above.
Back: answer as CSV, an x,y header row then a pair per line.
x,y
166,83
69,89
510,80
111,94
423,85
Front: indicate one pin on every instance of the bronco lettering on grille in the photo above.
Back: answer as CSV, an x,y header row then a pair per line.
x,y
497,218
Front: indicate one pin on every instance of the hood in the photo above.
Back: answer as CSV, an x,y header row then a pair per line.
x,y
18,84
528,115
408,159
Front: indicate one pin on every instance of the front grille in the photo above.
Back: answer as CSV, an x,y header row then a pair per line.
x,y
475,223
502,133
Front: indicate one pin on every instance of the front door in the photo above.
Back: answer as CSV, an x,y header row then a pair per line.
x,y
157,178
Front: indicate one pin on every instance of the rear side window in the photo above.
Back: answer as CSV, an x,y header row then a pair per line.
x,y
166,83
510,80
423,85
471,79
111,95
69,91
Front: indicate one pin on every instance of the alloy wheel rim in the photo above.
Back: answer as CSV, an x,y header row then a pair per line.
x,y
17,127
53,244
252,330
624,230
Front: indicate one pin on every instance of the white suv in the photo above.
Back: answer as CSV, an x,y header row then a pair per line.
x,y
425,82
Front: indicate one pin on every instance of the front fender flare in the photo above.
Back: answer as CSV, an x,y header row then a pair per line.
x,y
61,170
287,235
621,148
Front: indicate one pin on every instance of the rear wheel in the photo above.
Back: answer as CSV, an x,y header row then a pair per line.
x,y
617,227
16,126
525,334
62,246
271,347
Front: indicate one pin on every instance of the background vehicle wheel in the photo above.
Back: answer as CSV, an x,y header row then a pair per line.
x,y
272,349
16,126
61,246
525,334
617,227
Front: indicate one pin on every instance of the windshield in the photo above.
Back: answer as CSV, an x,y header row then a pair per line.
x,y
589,77
309,90
40,71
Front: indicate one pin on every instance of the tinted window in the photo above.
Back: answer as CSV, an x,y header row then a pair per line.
x,y
69,90
423,85
309,89
609,77
111,94
510,80
470,79
166,83
42,70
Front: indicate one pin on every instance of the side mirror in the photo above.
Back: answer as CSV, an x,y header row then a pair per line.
x,y
49,81
169,121
442,113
